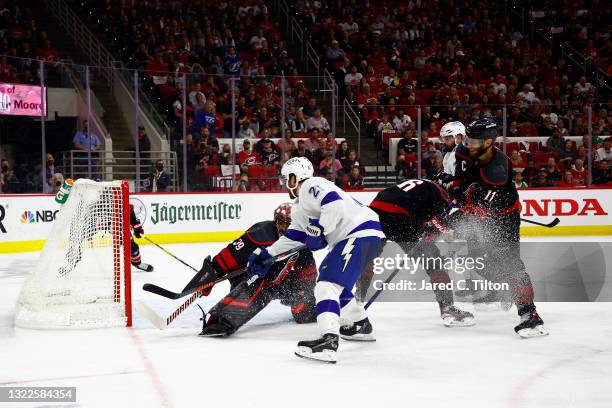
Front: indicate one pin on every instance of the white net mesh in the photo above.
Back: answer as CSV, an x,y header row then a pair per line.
x,y
79,281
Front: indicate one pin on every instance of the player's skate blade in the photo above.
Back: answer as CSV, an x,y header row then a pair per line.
x,y
531,325
322,349
216,329
452,316
143,267
358,331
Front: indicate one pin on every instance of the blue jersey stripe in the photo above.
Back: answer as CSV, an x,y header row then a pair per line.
x,y
375,225
296,235
328,305
330,197
345,297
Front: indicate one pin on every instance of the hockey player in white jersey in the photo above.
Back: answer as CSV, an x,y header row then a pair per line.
x,y
325,215
451,135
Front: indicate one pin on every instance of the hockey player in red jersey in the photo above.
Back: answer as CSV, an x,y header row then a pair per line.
x,y
291,280
412,213
138,232
483,183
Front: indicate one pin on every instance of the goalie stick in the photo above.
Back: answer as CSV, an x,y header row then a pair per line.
x,y
158,290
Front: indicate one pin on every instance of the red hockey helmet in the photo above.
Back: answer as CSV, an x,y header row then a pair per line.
x,y
282,217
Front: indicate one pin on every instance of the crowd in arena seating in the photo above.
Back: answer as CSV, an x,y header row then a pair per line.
x,y
21,44
458,63
584,24
211,43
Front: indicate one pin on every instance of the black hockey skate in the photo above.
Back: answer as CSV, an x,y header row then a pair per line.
x,y
322,349
452,316
531,325
358,331
216,329
143,267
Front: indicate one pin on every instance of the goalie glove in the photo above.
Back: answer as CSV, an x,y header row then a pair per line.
x,y
315,237
138,230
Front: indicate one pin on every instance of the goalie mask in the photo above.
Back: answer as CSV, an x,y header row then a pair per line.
x,y
282,217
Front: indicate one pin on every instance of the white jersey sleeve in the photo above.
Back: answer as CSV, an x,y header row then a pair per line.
x,y
449,162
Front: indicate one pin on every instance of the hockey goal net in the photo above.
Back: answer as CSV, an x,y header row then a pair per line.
x,y
82,278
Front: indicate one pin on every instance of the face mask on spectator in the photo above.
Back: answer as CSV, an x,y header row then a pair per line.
x,y
159,167
50,162
5,167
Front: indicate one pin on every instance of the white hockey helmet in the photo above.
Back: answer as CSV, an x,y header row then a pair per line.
x,y
300,167
452,129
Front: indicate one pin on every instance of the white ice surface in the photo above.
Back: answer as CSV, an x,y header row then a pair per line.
x,y
416,361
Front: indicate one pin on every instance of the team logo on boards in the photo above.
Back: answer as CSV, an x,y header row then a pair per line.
x,y
140,210
29,217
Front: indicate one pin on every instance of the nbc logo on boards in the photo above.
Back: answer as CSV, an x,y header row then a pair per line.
x,y
27,217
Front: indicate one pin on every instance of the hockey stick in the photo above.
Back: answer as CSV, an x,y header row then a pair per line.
x,y
551,224
379,291
160,322
158,290
171,254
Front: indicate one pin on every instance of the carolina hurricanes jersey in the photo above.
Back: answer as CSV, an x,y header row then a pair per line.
x,y
340,215
488,186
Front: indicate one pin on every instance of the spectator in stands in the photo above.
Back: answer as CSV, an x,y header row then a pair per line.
x,y
401,121
302,151
231,63
568,154
542,180
516,159
428,163
208,138
310,107
317,121
287,145
355,179
408,144
605,152
52,175
84,139
555,143
530,171
580,173
583,87
330,162
547,128
335,53
582,154
158,180
10,184
144,144
299,126
343,152
247,156
601,172
518,180
527,94
196,96
268,152
552,173
245,131
567,181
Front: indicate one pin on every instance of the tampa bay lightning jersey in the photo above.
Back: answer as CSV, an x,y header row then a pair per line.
x,y
340,215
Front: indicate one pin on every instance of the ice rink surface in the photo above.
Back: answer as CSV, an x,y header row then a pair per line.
x,y
415,362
